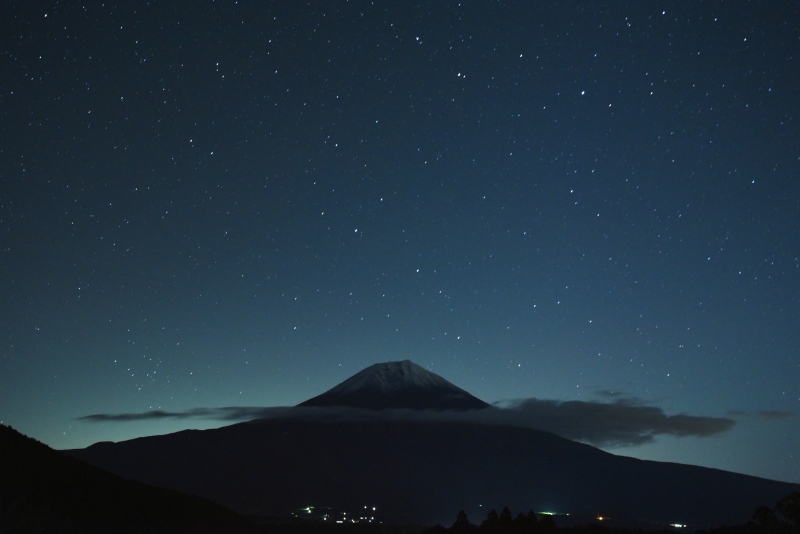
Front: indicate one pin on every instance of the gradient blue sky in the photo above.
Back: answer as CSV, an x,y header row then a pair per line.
x,y
208,204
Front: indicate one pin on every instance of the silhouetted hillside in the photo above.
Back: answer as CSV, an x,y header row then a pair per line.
x,y
407,443
419,471
42,490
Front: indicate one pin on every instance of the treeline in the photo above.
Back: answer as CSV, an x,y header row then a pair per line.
x,y
767,521
502,523
785,519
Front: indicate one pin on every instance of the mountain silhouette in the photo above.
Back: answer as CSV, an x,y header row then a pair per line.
x,y
41,490
397,385
350,448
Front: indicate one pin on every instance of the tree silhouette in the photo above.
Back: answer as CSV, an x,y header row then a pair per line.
x,y
491,524
531,517
525,524
461,524
505,523
547,524
506,520
765,518
789,507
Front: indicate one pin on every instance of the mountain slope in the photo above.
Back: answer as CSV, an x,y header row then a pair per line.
x,y
422,463
41,490
425,471
397,385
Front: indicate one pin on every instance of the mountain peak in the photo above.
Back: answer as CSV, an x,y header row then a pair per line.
x,y
401,384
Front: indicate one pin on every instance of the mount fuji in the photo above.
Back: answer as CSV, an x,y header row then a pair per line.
x,y
397,385
420,449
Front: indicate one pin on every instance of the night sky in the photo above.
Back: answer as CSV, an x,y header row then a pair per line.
x,y
241,204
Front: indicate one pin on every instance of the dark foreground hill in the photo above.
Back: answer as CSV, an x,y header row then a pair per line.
x,y
418,471
42,490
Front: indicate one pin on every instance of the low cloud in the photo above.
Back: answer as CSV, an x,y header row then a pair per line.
x,y
622,422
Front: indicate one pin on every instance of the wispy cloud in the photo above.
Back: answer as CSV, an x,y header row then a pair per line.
x,y
774,414
767,415
625,421
229,413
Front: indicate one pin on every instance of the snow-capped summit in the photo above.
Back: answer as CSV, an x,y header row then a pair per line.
x,y
397,385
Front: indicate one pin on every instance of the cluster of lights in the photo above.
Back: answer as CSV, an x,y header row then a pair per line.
x,y
606,518
365,517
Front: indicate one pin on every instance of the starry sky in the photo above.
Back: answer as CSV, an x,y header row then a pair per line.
x,y
225,204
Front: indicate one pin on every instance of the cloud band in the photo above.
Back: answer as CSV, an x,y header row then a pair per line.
x,y
623,422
